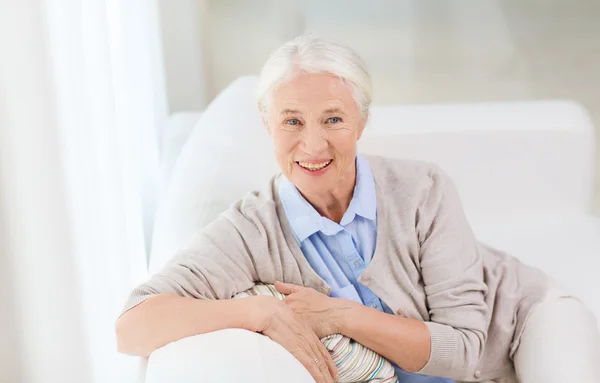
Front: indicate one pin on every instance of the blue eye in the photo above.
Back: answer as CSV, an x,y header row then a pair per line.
x,y
292,121
334,120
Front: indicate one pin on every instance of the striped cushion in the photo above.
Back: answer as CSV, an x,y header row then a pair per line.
x,y
355,362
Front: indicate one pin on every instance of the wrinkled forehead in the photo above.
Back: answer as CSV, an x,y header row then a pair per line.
x,y
313,92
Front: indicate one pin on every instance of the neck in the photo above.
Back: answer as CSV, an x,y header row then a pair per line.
x,y
334,203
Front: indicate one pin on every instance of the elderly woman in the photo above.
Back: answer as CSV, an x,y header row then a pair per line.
x,y
376,249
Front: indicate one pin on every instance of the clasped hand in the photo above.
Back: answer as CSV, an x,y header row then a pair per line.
x,y
298,322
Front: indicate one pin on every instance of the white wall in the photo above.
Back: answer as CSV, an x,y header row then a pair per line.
x,y
184,61
418,51
208,44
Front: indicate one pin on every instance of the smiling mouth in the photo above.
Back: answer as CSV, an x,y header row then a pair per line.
x,y
314,166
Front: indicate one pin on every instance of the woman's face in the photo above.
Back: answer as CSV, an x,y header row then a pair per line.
x,y
315,123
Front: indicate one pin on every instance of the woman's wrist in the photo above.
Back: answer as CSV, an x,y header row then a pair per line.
x,y
342,315
255,312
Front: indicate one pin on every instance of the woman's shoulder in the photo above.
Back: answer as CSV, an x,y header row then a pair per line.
x,y
257,207
411,176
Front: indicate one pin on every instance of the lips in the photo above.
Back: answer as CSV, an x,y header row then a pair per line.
x,y
314,166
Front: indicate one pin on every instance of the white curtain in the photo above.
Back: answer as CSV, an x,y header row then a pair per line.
x,y
84,99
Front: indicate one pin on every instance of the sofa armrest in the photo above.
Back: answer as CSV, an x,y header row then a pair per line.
x,y
226,356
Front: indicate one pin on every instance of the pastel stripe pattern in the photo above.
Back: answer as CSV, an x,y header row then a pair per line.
x,y
355,362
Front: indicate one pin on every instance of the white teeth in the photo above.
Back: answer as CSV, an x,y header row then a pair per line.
x,y
314,166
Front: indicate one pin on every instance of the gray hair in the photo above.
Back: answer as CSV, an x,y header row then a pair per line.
x,y
311,54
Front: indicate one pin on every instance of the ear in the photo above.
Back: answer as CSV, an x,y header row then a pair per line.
x,y
262,117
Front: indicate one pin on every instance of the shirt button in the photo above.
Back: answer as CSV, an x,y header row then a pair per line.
x,y
374,305
477,374
366,278
357,264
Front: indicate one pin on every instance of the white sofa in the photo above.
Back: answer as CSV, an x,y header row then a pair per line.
x,y
524,171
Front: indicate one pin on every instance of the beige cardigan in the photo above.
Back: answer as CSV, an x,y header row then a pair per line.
x,y
427,265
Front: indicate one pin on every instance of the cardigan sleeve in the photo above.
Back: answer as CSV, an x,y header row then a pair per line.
x,y
452,272
219,263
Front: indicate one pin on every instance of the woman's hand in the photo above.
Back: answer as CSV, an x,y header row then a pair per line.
x,y
320,312
276,320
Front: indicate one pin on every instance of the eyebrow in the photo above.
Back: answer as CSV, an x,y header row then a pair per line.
x,y
333,110
290,111
326,111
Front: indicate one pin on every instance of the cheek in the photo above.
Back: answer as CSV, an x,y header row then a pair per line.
x,y
344,142
284,142
284,146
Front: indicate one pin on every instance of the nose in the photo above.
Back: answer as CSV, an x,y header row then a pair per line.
x,y
314,140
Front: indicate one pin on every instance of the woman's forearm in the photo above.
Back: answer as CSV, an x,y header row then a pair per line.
x,y
166,318
405,341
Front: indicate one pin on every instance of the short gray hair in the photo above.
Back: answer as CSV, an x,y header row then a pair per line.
x,y
312,54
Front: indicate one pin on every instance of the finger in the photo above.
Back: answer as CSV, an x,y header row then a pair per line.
x,y
320,359
322,370
287,288
330,363
313,364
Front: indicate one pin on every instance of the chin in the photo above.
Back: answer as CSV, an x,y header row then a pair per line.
x,y
307,187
